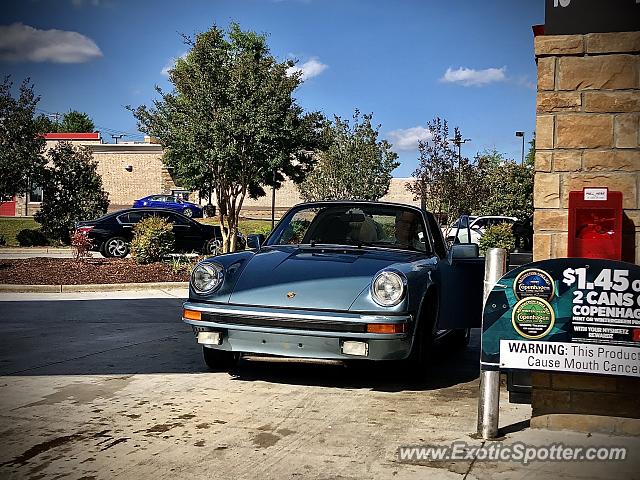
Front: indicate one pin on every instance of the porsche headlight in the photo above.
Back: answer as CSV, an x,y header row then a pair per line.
x,y
388,288
207,277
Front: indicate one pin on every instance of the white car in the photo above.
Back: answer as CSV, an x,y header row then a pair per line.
x,y
474,227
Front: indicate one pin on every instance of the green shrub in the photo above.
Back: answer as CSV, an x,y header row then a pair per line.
x,y
262,229
31,237
3,242
153,239
497,236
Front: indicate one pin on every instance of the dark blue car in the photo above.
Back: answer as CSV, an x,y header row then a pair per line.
x,y
170,202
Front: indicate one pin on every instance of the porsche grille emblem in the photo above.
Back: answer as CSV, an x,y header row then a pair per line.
x,y
291,294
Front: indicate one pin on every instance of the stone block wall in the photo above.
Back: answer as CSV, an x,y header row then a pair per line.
x,y
587,134
587,131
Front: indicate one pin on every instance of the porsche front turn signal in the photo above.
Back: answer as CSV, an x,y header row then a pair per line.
x,y
386,327
191,314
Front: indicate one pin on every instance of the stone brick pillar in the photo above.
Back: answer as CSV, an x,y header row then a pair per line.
x,y
587,134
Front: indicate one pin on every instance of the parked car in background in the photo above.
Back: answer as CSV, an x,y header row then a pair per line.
x,y
461,222
469,229
170,202
345,280
111,235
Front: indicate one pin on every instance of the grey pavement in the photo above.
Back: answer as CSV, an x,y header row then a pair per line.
x,y
113,386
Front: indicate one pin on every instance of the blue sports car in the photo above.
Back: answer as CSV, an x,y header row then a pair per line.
x,y
169,202
337,280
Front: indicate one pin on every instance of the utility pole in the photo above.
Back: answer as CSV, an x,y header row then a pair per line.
x,y
55,117
117,137
521,134
458,141
273,200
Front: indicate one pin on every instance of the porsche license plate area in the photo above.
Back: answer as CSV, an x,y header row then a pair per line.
x,y
210,338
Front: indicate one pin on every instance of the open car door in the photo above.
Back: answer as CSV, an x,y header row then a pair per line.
x,y
461,278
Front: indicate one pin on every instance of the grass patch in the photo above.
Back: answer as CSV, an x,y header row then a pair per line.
x,y
10,226
246,226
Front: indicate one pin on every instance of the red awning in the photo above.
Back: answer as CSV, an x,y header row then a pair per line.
x,y
72,136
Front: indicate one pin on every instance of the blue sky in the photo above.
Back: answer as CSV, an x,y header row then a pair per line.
x,y
469,62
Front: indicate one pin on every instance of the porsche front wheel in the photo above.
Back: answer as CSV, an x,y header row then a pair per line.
x,y
219,360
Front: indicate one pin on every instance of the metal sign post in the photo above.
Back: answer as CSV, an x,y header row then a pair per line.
x,y
489,399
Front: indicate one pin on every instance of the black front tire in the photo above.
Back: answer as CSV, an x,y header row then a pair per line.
x,y
461,337
219,360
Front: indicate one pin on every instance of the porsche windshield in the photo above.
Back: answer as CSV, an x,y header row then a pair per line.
x,y
361,225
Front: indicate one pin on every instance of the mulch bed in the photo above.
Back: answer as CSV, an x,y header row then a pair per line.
x,y
64,271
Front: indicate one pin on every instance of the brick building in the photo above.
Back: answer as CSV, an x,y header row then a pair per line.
x,y
288,195
587,134
131,170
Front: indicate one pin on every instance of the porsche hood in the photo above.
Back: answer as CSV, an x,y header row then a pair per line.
x,y
312,277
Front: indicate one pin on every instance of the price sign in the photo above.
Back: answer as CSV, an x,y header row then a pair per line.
x,y
569,314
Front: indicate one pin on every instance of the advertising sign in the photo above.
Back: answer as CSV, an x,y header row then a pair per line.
x,y
567,314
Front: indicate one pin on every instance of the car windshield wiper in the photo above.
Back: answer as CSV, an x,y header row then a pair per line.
x,y
359,245
395,246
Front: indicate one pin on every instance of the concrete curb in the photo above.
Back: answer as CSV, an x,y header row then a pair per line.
x,y
105,287
14,250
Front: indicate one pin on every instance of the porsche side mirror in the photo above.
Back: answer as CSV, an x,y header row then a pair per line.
x,y
461,251
255,241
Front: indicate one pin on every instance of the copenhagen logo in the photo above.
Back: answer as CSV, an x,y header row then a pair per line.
x,y
534,283
533,318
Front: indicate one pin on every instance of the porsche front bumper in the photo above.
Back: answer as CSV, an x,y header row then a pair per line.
x,y
301,333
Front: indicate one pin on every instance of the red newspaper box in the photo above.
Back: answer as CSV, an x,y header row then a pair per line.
x,y
595,223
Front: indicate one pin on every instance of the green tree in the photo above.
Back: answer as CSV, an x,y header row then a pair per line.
x,y
231,125
72,191
76,122
445,182
46,125
506,187
354,165
21,146
530,158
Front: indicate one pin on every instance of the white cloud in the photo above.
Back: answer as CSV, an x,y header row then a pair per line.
x,y
469,77
171,63
524,81
407,139
311,68
22,43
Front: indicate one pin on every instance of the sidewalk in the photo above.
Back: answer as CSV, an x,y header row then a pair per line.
x,y
168,291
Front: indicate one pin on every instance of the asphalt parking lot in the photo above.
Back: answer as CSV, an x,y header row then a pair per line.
x,y
103,386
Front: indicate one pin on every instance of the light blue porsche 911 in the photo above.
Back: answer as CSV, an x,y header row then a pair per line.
x,y
337,280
